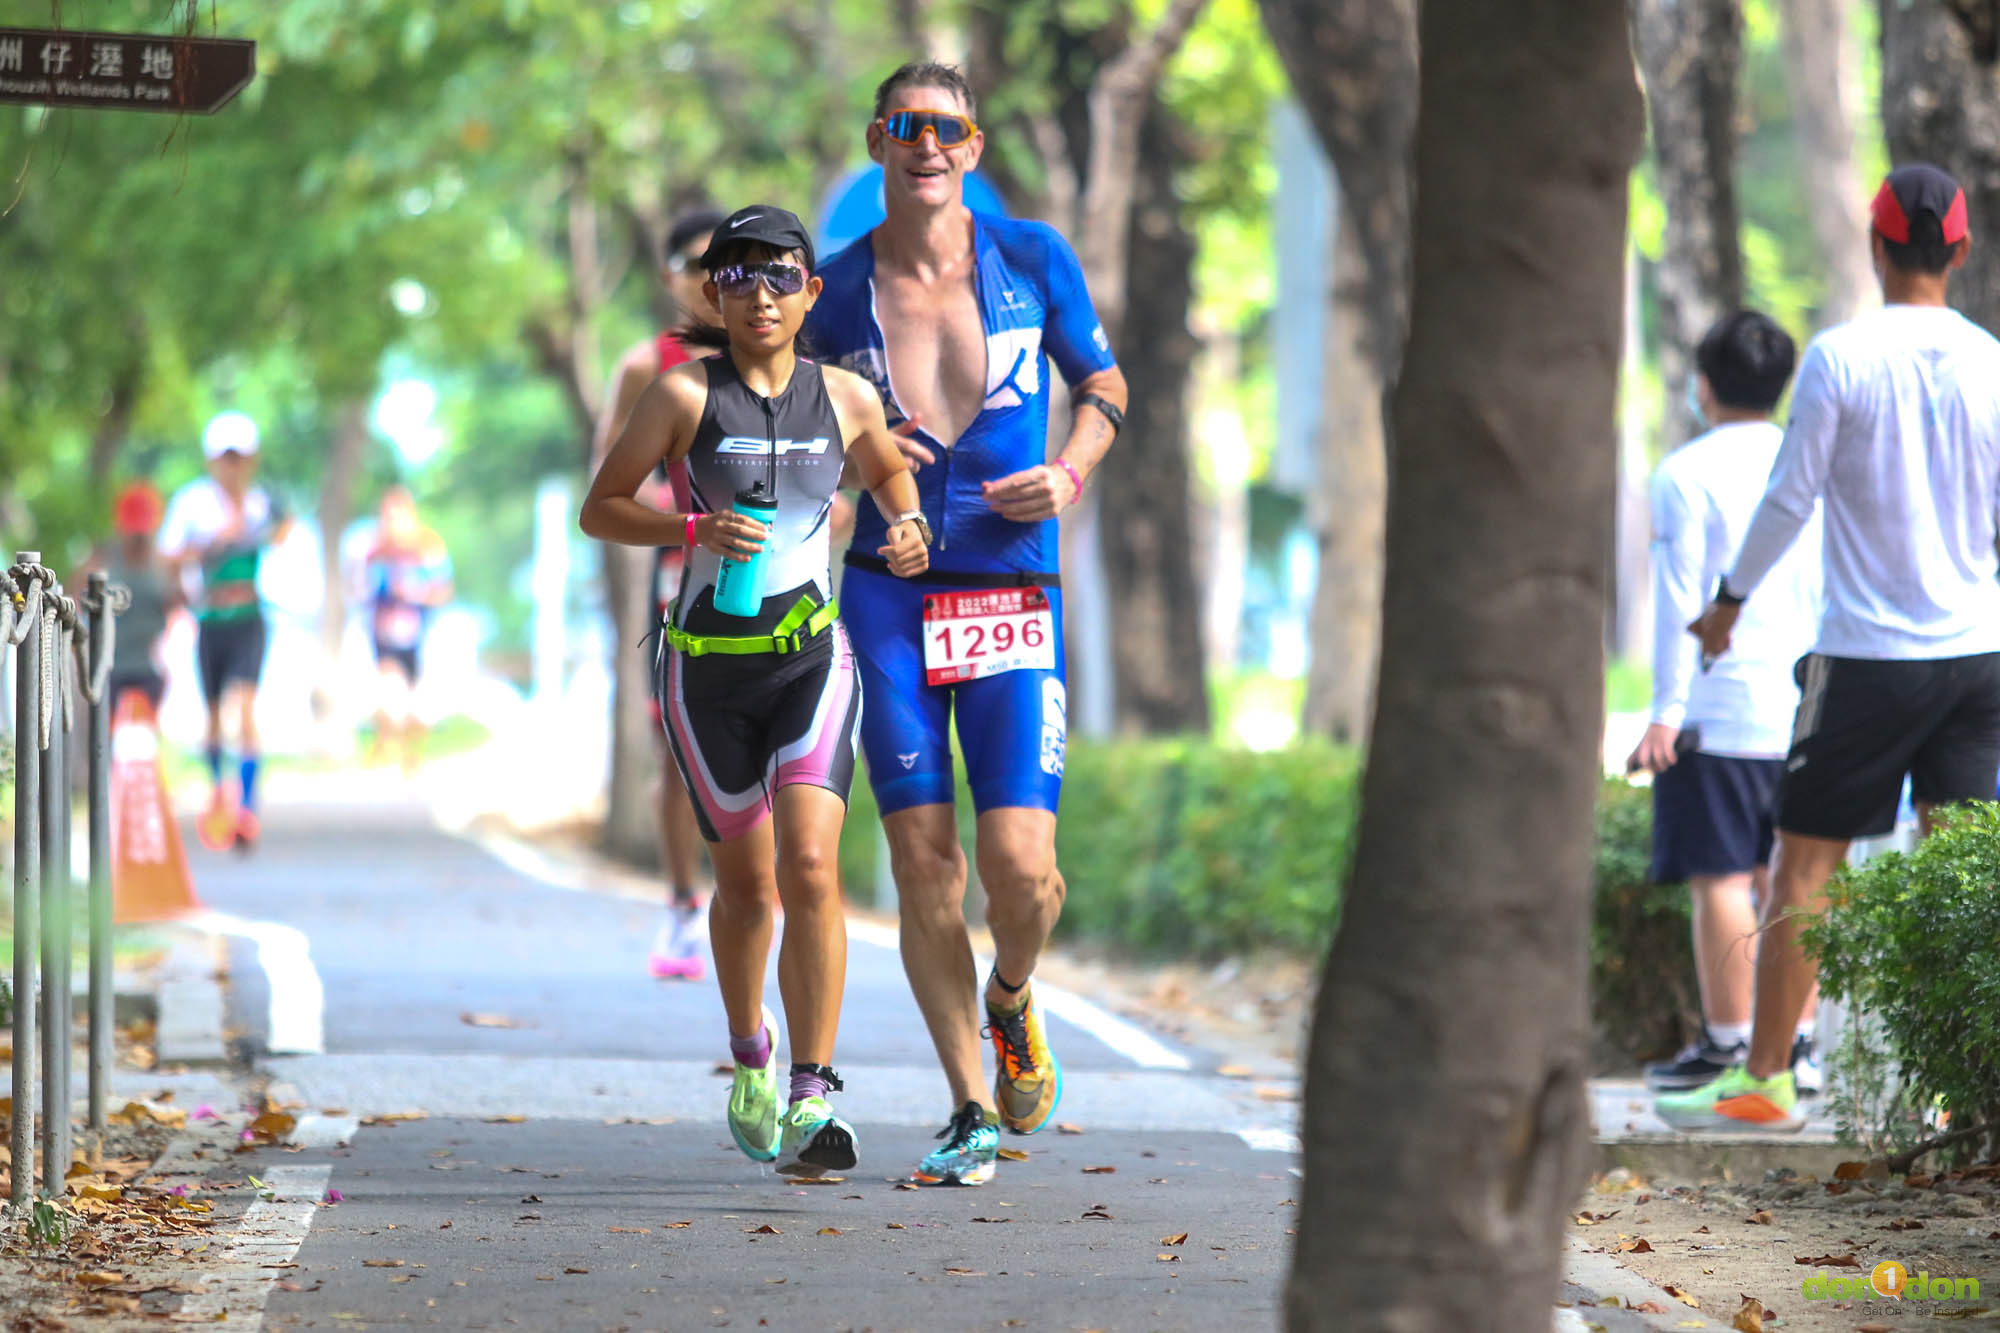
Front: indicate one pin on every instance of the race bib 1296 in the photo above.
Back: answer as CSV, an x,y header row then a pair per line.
x,y
968,635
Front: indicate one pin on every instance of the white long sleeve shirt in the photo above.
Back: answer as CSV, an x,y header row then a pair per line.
x,y
1703,496
1896,423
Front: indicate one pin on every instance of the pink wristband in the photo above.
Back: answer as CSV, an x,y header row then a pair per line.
x,y
1075,480
687,533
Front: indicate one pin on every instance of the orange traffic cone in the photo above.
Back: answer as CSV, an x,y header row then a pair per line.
x,y
149,870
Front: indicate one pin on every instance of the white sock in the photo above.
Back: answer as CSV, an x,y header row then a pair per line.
x,y
1729,1035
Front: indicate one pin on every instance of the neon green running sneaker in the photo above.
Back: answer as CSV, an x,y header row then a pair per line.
x,y
816,1140
753,1103
1735,1101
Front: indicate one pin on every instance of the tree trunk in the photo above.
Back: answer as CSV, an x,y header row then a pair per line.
x,y
1347,507
1691,53
1353,66
107,438
1145,500
1446,1123
1940,104
1822,72
346,453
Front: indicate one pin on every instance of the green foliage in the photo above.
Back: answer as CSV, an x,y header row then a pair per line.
x,y
1914,940
1642,981
48,1224
1185,848
1628,685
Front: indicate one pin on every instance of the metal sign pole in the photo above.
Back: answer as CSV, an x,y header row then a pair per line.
x,y
27,890
101,983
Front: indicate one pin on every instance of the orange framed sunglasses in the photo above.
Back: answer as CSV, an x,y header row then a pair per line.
x,y
907,125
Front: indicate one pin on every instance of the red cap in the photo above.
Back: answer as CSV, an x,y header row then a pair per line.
x,y
137,510
1915,188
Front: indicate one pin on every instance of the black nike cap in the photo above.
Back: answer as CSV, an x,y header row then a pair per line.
x,y
1913,199
765,223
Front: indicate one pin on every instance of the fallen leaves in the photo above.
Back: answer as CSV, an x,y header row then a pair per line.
x,y
1638,1245
766,1230
395,1117
1681,1296
1592,1219
473,1020
1904,1224
1760,1218
1827,1260
1099,1170
98,1278
1178,1238
1096,1213
679,1226
1012,1155
630,1231
965,1272
381,1263
1750,1317
504,1120
829,1231
1064,1127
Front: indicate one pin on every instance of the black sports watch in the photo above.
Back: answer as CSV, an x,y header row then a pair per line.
x,y
1724,597
915,516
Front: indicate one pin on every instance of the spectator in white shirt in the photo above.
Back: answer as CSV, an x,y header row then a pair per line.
x,y
1717,740
1895,425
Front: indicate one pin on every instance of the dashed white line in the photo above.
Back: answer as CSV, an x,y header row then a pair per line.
x,y
238,1284
298,998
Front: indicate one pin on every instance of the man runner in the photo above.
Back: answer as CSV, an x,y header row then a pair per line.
x,y
215,533
954,317
1896,426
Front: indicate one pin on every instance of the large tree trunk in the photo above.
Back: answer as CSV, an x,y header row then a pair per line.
x,y
1353,66
1446,1123
1822,71
1347,507
1145,500
1941,103
1691,53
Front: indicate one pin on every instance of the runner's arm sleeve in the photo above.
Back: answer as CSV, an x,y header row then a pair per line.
x,y
173,538
1798,476
1678,597
1071,331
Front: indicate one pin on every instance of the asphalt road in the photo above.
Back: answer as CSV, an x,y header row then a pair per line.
x,y
572,1169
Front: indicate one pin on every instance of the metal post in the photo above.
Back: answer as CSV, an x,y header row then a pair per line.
x,y
27,893
56,884
101,982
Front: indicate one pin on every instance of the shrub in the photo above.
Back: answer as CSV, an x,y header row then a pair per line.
x,y
1183,847
1642,980
1914,940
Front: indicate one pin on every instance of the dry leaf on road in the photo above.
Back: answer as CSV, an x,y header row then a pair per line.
x,y
828,1231
1178,1238
1828,1260
1761,1218
1012,1155
504,1119
1099,1170
1750,1319
473,1020
1681,1296
1065,1127
1640,1245
766,1230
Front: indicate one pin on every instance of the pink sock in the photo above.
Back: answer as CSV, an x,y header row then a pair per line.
x,y
752,1051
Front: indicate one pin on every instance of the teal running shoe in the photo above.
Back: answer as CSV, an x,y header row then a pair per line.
x,y
971,1144
753,1103
816,1141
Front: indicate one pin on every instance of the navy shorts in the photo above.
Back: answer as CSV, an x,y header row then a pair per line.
x,y
1713,814
228,652
1013,727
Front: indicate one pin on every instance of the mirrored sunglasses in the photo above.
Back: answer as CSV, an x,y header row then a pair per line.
x,y
908,126
742,279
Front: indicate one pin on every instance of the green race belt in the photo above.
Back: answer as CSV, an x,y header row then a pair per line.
x,y
801,624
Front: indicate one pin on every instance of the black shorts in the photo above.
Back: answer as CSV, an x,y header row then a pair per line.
x,y
143,679
1712,816
742,727
229,652
406,658
1863,725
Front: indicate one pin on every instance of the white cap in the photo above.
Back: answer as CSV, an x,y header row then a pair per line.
x,y
230,432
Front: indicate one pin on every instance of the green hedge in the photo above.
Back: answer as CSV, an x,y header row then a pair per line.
x,y
1183,848
1643,992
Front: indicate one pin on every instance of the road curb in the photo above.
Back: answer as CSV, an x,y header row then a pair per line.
x,y
1697,1160
1598,1277
188,1000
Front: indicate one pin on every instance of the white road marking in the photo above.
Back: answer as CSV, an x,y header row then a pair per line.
x,y
298,998
237,1282
1264,1138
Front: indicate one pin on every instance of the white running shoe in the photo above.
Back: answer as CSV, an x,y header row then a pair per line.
x,y
679,949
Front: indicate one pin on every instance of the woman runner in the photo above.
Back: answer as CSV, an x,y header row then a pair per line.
x,y
763,712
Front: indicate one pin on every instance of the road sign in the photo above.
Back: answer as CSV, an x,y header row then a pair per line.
x,y
124,71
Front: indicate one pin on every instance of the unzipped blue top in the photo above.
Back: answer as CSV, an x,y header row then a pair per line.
x,y
1034,306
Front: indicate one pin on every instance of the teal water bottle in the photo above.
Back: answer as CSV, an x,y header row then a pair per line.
x,y
739,586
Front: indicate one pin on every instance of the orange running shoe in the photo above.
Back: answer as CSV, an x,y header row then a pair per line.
x,y
217,825
1027,1080
248,829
